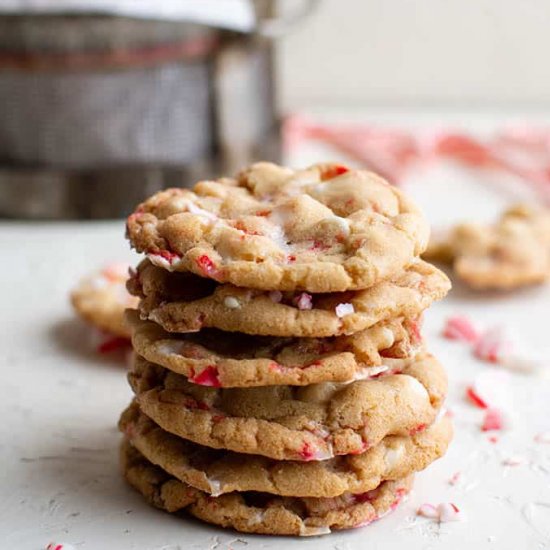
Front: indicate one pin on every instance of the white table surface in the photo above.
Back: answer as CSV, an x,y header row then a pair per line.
x,y
60,402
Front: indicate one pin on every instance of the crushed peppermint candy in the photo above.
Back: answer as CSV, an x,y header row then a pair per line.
x,y
275,296
231,302
207,377
443,513
461,328
303,301
489,389
164,258
493,346
59,546
342,310
477,400
493,420
496,346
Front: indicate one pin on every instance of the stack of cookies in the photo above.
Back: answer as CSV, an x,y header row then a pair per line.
x,y
281,382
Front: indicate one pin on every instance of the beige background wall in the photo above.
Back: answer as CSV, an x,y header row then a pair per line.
x,y
423,52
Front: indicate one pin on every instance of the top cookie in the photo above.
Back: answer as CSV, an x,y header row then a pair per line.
x,y
323,229
513,252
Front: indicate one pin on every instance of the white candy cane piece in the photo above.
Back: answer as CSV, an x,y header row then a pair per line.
x,y
59,546
342,310
303,301
442,513
448,512
428,511
493,346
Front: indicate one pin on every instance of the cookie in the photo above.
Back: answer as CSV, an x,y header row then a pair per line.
x,y
513,252
101,299
303,423
182,302
218,472
323,229
261,513
222,359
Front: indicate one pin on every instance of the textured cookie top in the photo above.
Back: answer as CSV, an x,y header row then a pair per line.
x,y
101,299
182,302
218,472
304,423
261,513
223,359
322,229
513,252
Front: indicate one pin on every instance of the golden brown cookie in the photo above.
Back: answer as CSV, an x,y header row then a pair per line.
x,y
513,252
182,302
223,359
304,423
261,513
322,229
218,472
101,299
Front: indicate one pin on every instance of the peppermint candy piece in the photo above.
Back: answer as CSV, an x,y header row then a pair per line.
x,y
442,513
342,310
460,328
303,301
494,346
494,420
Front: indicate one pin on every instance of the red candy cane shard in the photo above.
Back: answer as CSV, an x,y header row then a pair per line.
x,y
207,266
460,328
493,346
493,420
475,398
307,452
207,377
417,429
333,171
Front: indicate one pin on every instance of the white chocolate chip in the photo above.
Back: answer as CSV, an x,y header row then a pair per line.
x,y
393,456
417,387
231,302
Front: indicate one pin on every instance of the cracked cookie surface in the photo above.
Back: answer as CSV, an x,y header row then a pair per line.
x,y
211,357
261,513
182,302
218,472
512,252
304,423
323,229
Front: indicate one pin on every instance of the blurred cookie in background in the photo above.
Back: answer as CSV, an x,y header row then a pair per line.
x,y
101,299
511,253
